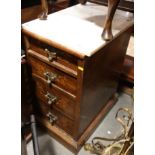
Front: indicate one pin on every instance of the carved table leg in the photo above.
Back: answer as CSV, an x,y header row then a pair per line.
x,y
73,2
82,1
44,5
107,31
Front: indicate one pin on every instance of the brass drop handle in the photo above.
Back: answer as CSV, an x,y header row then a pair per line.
x,y
51,98
51,55
51,77
52,118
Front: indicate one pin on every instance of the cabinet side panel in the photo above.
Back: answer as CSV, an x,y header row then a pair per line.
x,y
101,75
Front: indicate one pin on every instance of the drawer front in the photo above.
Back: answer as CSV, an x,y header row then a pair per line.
x,y
54,54
52,75
55,98
55,118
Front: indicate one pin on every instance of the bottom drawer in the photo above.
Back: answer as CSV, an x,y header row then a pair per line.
x,y
55,118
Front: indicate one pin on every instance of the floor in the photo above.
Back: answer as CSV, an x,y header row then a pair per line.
x,y
108,128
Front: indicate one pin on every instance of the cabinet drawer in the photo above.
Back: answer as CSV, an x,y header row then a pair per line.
x,y
55,118
55,98
53,75
54,54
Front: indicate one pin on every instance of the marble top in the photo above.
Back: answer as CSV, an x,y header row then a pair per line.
x,y
79,27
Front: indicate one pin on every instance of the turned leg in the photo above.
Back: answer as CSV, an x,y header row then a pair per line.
x,y
44,5
72,2
107,31
82,1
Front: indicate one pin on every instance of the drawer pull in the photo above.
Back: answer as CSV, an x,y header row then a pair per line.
x,y
52,118
51,55
51,98
51,77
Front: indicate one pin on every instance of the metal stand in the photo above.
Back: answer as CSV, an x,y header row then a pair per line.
x,y
32,124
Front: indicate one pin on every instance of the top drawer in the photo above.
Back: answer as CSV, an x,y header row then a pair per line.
x,y
53,54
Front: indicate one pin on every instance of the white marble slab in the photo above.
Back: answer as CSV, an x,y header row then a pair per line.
x,y
78,28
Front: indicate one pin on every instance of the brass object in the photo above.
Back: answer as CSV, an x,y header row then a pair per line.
x,y
115,145
51,55
52,118
44,6
51,98
51,77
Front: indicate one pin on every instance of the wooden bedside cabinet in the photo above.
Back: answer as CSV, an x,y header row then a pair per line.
x,y
75,72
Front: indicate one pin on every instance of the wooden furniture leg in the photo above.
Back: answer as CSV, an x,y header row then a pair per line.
x,y
107,31
82,1
73,2
44,5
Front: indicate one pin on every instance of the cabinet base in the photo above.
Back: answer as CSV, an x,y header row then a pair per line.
x,y
67,140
